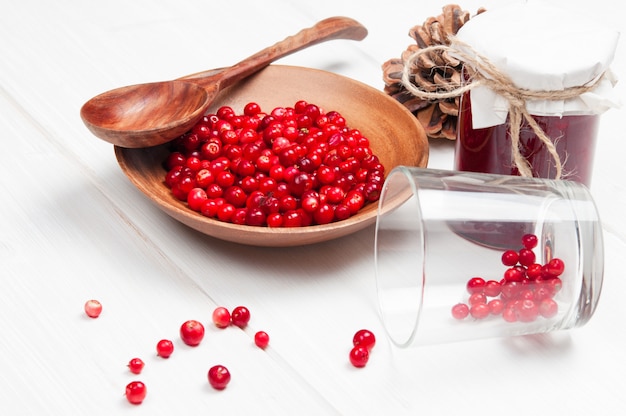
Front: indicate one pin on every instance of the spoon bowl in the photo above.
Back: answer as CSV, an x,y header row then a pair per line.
x,y
161,113
395,135
145,115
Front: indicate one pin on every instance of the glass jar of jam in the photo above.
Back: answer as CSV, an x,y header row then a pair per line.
x,y
542,49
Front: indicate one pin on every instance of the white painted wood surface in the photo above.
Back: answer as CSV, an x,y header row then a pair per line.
x,y
73,228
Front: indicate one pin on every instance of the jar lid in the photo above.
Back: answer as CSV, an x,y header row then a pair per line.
x,y
541,48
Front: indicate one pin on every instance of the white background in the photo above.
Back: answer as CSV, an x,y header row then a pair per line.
x,y
73,228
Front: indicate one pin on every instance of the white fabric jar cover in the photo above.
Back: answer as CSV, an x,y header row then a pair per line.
x,y
541,48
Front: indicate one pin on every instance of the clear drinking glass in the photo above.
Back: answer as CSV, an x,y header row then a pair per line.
x,y
443,234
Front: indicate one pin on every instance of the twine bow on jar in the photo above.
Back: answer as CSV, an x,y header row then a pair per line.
x,y
482,72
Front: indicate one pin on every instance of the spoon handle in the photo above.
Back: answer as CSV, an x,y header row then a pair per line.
x,y
327,29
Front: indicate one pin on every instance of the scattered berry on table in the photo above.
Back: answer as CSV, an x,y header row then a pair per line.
x,y
136,365
240,316
136,392
93,308
364,338
221,317
192,332
219,377
359,356
165,348
261,339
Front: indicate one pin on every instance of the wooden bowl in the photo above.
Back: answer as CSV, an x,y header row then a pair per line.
x,y
395,136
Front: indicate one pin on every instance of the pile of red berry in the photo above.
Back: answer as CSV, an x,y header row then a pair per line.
x,y
525,292
294,166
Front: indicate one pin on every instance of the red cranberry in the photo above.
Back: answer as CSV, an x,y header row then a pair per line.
x,y
359,356
221,317
509,290
239,216
526,257
476,298
513,274
364,338
460,311
527,310
240,316
510,258
492,288
196,198
219,377
225,179
310,201
165,348
509,313
252,109
496,306
275,220
255,217
204,178
324,214
192,332
555,267
175,159
292,218
236,196
93,308
211,150
534,271
261,339
529,241
548,308
543,291
136,392
354,201
475,285
136,365
479,310
555,284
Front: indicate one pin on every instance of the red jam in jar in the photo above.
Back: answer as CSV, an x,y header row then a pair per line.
x,y
489,149
563,82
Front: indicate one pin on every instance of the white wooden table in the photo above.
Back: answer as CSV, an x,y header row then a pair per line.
x,y
72,227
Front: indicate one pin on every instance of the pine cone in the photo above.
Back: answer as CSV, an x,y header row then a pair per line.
x,y
434,71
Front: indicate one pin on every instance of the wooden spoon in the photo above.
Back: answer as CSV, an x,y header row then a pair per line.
x,y
146,115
